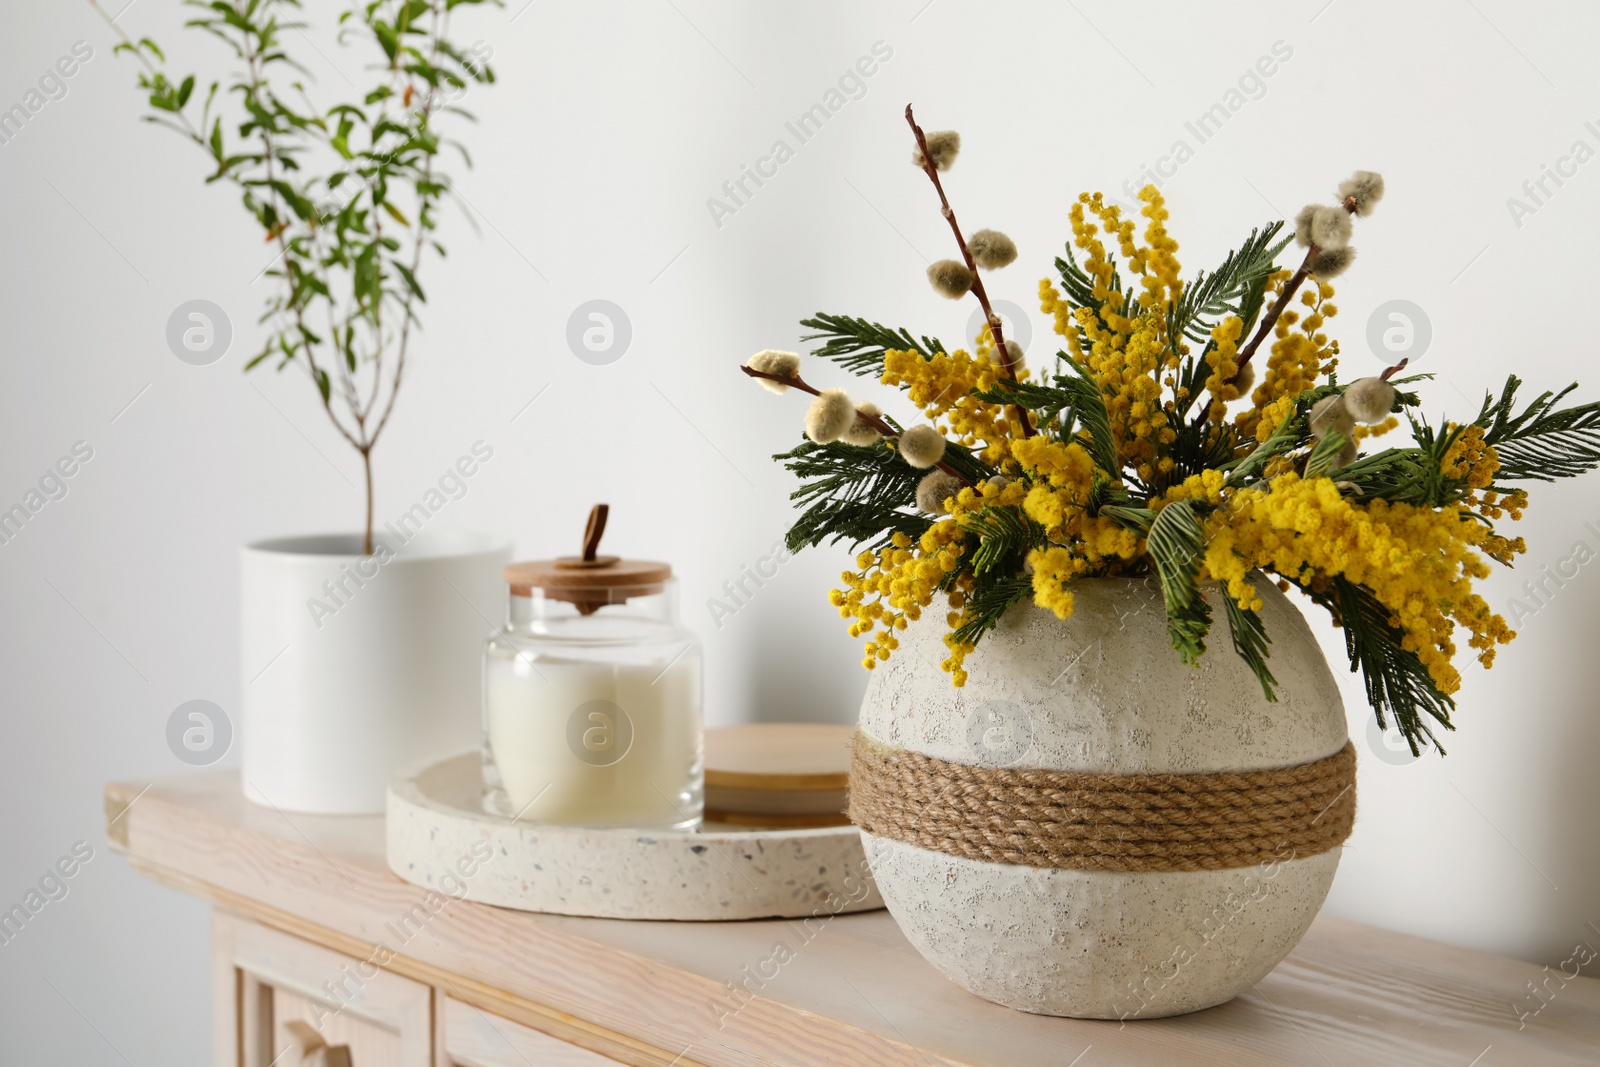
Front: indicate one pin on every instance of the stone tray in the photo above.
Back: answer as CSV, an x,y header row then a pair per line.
x,y
436,829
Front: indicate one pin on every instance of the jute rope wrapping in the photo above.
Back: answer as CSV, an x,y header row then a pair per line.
x,y
1103,822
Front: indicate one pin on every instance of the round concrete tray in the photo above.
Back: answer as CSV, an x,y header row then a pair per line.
x,y
440,838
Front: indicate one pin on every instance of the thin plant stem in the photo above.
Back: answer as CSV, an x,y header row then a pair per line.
x,y
995,328
366,468
1267,323
1279,306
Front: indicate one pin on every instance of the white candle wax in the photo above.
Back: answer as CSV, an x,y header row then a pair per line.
x,y
592,742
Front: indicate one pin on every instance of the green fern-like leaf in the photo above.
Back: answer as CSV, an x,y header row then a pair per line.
x,y
1543,443
1005,536
1103,493
1325,454
1074,401
1134,518
1251,642
858,345
1397,682
1176,542
1235,287
1290,433
862,495
1079,288
1398,475
1045,401
852,494
1199,447
988,602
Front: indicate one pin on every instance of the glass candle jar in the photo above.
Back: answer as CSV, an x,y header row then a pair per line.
x,y
592,699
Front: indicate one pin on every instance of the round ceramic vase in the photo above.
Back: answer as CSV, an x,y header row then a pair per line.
x,y
1103,692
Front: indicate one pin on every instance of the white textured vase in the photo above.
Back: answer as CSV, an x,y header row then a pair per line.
x,y
352,666
1103,692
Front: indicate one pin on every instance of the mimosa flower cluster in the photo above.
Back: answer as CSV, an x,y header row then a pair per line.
x,y
1192,431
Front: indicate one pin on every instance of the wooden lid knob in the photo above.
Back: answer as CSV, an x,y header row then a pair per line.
x,y
592,533
566,577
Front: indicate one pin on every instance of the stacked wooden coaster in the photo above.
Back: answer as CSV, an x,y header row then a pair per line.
x,y
777,774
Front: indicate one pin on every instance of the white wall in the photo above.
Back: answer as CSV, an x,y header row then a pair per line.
x,y
612,125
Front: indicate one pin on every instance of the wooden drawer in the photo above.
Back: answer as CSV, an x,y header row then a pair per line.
x,y
276,997
474,1038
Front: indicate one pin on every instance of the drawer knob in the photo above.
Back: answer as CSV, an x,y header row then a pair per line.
x,y
314,1052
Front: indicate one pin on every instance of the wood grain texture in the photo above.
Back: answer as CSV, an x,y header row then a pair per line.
x,y
503,1004
779,755
227,994
362,1041
835,990
474,1038
382,1017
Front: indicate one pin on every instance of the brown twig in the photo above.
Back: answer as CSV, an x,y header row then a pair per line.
x,y
877,423
1279,306
977,280
1267,323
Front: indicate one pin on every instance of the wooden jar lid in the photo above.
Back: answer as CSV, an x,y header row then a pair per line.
x,y
573,572
590,580
778,774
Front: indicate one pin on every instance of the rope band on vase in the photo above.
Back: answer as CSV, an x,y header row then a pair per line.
x,y
1103,822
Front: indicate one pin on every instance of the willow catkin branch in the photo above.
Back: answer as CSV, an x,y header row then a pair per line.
x,y
995,328
875,421
1279,306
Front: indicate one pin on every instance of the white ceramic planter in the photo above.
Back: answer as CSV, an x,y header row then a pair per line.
x,y
353,666
1104,693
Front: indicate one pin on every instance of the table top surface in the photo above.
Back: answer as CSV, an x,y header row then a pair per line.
x,y
847,990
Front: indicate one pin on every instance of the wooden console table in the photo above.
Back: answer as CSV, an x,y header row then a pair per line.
x,y
310,924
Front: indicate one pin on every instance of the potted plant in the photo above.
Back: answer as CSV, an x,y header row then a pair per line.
x,y
1071,817
357,651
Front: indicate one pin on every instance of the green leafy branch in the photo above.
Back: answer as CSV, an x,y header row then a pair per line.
x,y
1250,642
859,345
852,494
1073,401
1398,684
1237,287
350,236
1001,538
1079,288
862,494
988,603
1543,443
1176,542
